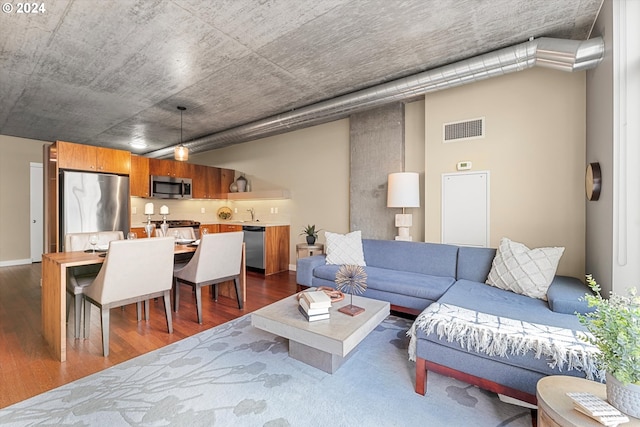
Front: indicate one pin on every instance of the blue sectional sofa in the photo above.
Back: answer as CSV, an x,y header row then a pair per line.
x,y
412,275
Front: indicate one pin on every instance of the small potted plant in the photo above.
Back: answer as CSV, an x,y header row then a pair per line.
x,y
615,326
311,233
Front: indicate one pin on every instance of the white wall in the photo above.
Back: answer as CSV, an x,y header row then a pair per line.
x,y
16,154
312,163
534,150
613,222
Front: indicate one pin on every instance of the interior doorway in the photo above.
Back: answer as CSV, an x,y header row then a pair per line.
x,y
36,212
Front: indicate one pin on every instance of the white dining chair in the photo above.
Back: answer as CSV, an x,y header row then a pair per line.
x,y
186,233
80,277
133,271
217,259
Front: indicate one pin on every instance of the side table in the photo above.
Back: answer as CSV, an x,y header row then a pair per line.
x,y
305,250
555,408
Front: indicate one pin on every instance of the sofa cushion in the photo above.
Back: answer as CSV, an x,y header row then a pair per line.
x,y
488,299
344,248
417,257
566,295
474,263
522,270
397,282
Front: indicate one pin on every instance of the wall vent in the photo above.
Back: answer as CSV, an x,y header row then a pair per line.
x,y
462,131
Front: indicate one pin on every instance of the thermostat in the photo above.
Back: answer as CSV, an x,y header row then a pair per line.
x,y
463,166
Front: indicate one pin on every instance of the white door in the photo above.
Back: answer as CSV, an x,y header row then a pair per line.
x,y
465,208
37,213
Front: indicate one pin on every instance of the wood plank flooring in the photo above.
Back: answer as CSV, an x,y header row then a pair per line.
x,y
27,367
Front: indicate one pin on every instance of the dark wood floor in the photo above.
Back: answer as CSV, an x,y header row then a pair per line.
x,y
27,368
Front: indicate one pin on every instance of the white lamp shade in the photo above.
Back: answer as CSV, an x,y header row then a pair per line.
x,y
403,190
181,153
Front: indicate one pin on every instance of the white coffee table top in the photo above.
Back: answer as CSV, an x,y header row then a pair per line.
x,y
338,335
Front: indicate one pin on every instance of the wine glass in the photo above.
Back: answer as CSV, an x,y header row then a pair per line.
x,y
205,231
132,235
93,239
176,235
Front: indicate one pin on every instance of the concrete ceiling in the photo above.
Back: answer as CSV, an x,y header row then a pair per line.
x,y
111,72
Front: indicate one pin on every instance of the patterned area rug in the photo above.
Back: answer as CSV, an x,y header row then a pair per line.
x,y
236,375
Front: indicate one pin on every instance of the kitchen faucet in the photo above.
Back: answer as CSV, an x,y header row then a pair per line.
x,y
253,214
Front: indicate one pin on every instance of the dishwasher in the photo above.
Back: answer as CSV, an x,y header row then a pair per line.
x,y
254,246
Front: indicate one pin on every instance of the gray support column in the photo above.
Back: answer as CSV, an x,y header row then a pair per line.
x,y
377,149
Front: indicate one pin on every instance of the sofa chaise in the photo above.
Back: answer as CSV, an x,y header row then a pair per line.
x,y
430,278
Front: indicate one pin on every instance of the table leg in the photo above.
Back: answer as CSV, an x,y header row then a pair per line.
x,y
54,328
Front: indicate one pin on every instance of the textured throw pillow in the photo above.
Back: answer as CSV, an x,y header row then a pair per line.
x,y
522,270
344,248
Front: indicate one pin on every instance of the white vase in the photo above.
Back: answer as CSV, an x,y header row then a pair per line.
x,y
625,398
242,184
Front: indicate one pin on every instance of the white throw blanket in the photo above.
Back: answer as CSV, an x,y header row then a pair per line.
x,y
501,336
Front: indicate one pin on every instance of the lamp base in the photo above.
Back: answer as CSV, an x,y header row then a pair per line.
x,y
403,233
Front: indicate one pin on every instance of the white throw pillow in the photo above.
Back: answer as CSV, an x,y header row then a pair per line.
x,y
522,270
344,249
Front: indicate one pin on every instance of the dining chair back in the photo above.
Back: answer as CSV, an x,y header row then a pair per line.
x,y
80,241
217,259
133,271
82,276
183,233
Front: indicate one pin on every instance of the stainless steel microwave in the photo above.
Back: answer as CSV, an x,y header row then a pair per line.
x,y
168,187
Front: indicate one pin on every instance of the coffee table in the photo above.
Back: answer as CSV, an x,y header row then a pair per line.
x,y
323,344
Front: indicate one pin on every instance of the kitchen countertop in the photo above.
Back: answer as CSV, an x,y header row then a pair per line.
x,y
256,223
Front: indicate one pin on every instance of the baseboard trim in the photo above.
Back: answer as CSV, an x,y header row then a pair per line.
x,y
15,262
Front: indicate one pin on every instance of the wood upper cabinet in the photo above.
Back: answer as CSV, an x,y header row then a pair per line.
x,y
276,243
206,182
139,176
160,167
227,176
93,159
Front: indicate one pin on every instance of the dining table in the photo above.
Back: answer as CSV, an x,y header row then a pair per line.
x,y
55,267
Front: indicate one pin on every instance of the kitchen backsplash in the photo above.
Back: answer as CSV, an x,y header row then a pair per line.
x,y
268,211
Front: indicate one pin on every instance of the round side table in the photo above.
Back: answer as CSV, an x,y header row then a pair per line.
x,y
555,408
305,250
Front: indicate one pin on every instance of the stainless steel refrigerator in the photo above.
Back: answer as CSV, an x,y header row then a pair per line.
x,y
93,202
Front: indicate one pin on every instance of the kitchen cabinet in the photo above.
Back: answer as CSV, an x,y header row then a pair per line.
x,y
276,249
139,176
172,168
206,182
140,232
227,176
211,228
226,228
93,159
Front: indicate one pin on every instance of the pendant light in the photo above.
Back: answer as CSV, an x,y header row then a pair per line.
x,y
181,153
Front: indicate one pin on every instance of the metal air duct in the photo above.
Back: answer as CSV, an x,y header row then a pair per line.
x,y
559,54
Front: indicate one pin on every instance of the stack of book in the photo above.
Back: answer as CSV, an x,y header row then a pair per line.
x,y
597,409
314,305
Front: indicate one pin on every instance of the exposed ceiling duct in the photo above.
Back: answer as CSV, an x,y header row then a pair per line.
x,y
559,54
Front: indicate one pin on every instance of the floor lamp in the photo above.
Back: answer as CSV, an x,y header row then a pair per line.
x,y
403,191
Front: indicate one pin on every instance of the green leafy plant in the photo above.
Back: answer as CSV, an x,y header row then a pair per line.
x,y
310,230
615,326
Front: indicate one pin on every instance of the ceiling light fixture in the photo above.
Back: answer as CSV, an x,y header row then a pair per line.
x,y
181,152
138,145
